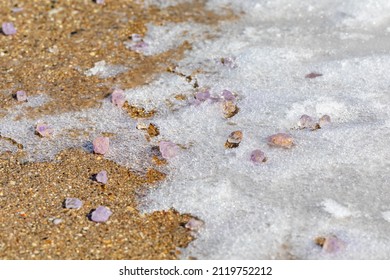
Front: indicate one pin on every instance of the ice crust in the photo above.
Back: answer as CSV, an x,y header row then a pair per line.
x,y
334,181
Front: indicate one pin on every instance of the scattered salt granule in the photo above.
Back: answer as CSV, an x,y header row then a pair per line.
x,y
330,244
73,203
281,140
136,46
306,121
194,224
257,156
136,37
324,120
313,75
101,2
101,214
43,130
16,9
101,177
229,108
168,149
21,96
118,98
234,139
229,62
8,28
57,221
202,95
228,95
101,145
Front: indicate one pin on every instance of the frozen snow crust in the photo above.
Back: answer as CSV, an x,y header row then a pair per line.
x,y
333,182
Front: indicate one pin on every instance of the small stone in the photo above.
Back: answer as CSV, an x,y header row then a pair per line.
x,y
324,120
101,214
8,28
21,96
73,203
282,140
118,98
43,130
202,95
57,221
168,149
101,145
330,244
229,108
194,224
234,139
228,95
101,177
306,121
257,156
153,130
313,75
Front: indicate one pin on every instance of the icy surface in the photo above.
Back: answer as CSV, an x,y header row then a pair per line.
x,y
334,181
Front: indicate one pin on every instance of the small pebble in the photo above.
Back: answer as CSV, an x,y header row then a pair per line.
x,y
229,108
168,149
118,98
228,95
101,177
306,121
101,214
324,120
73,203
282,140
257,156
21,96
43,130
194,224
8,28
234,139
101,145
202,95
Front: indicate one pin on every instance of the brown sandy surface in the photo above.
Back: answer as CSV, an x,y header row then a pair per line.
x,y
56,42
32,195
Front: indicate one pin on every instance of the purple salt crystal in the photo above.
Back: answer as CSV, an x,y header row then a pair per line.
x,y
306,121
229,62
324,120
194,224
257,156
138,46
333,244
101,2
228,95
8,28
101,214
203,95
21,96
118,98
136,37
43,130
101,177
101,145
168,149
73,203
16,9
